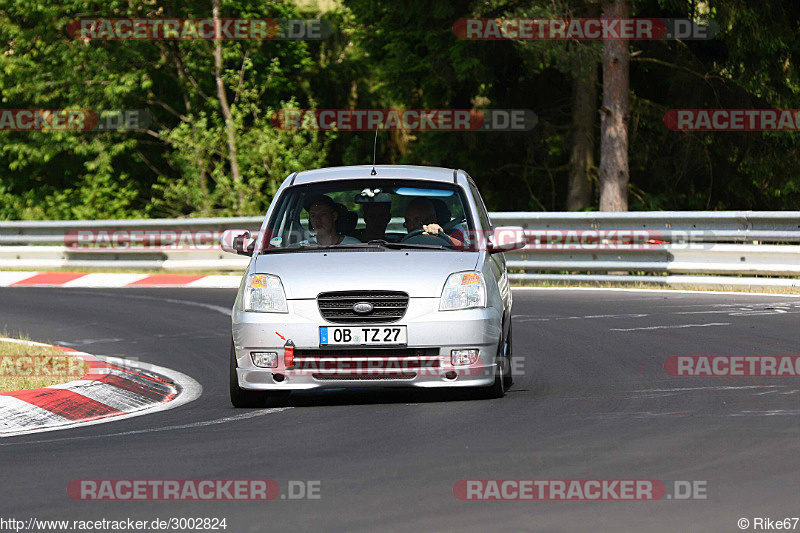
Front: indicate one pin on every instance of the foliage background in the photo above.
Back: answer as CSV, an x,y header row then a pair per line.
x,y
383,54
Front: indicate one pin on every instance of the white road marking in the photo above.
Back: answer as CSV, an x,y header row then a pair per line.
x,y
635,414
218,308
776,412
128,294
243,416
84,342
731,313
104,280
531,318
216,282
759,309
9,278
674,327
650,414
682,389
662,291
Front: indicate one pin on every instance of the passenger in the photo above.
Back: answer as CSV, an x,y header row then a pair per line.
x,y
377,216
322,216
421,215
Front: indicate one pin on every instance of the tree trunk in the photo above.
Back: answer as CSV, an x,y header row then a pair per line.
x,y
233,153
581,162
614,172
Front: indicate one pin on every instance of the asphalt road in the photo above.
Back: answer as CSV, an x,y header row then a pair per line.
x,y
594,402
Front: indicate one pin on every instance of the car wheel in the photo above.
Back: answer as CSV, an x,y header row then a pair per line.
x,y
239,396
497,389
507,376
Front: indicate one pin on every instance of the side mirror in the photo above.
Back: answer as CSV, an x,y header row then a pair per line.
x,y
236,241
507,239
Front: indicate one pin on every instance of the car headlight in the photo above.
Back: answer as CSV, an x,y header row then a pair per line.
x,y
264,293
463,290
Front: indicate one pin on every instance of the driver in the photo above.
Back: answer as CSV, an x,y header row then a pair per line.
x,y
421,215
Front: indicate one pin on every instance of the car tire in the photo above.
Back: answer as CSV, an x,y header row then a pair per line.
x,y
239,396
508,378
497,389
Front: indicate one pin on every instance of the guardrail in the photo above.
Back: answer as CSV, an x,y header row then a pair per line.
x,y
55,231
701,248
673,247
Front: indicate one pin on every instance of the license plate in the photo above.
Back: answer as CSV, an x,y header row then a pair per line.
x,y
363,335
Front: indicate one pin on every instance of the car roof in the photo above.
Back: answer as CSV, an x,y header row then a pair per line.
x,y
412,172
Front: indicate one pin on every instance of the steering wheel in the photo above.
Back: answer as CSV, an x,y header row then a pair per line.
x,y
453,223
417,232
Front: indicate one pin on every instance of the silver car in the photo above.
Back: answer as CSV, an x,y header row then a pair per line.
x,y
384,276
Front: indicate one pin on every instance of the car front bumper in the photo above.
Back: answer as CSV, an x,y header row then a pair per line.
x,y
436,332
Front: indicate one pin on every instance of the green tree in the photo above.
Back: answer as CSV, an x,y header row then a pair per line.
x,y
187,149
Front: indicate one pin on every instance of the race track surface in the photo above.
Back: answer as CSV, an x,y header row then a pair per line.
x,y
594,402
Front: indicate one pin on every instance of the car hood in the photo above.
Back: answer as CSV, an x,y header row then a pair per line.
x,y
419,273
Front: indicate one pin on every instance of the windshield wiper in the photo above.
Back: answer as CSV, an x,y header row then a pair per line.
x,y
370,244
310,247
293,248
404,245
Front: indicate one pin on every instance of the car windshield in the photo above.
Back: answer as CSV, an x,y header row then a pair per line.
x,y
394,214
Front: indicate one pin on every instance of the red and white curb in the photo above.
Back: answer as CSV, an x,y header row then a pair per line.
x,y
113,389
110,280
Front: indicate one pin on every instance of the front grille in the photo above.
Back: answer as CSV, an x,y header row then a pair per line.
x,y
337,307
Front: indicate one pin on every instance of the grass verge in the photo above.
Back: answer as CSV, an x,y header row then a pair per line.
x,y
24,366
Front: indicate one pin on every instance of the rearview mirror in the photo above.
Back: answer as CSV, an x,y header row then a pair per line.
x,y
507,239
236,241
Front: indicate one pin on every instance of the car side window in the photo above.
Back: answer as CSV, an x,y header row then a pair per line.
x,y
483,215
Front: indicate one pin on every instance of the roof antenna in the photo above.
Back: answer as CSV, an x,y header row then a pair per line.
x,y
374,151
